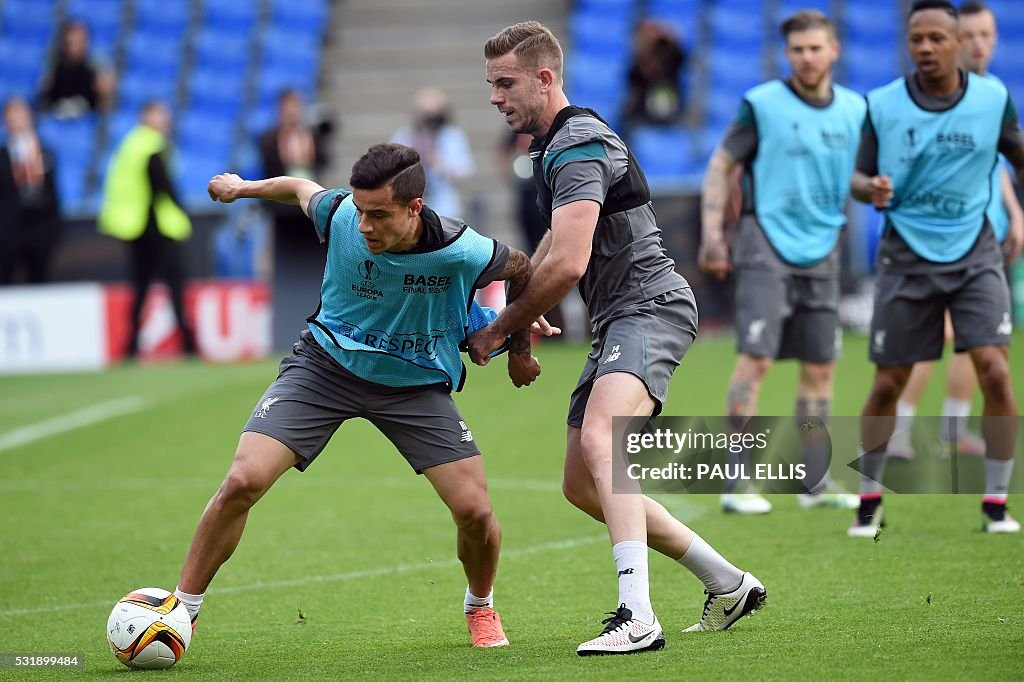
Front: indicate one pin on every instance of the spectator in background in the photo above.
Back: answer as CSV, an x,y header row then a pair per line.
x,y
77,83
655,95
294,148
140,207
29,211
443,148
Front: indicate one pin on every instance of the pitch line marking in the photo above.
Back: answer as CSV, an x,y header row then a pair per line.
x,y
398,569
87,416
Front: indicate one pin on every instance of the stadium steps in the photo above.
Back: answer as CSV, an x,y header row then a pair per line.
x,y
379,52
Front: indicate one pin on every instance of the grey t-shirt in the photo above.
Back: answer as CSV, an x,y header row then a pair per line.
x,y
628,263
894,255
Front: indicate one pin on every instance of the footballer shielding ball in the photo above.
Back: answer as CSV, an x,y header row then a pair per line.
x,y
149,628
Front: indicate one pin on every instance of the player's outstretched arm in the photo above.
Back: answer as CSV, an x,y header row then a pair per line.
x,y
227,187
713,256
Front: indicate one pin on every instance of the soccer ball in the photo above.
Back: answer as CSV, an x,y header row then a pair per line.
x,y
149,628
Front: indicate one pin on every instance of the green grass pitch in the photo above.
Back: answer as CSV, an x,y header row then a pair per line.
x,y
364,551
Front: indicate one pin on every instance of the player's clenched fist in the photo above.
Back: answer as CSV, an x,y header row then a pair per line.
x,y
224,187
523,369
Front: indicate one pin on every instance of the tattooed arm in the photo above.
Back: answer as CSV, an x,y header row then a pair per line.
x,y
714,252
516,274
523,367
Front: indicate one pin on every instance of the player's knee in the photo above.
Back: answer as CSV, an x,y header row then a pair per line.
x,y
241,487
994,377
578,495
752,369
473,515
889,385
817,376
595,447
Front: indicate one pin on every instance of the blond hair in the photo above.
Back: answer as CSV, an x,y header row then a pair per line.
x,y
533,44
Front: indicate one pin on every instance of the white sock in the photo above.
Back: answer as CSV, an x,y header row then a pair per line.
x,y
192,602
475,602
710,567
954,418
998,473
634,586
900,439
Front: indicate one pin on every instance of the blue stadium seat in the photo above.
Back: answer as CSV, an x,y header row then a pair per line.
x,y
306,16
29,20
259,118
119,124
22,68
73,137
666,155
1009,19
271,81
735,71
158,55
217,96
167,17
73,142
192,168
682,16
281,47
104,19
198,129
1007,63
228,50
71,184
607,7
237,17
720,107
135,87
597,82
869,67
734,28
787,8
609,36
871,22
104,11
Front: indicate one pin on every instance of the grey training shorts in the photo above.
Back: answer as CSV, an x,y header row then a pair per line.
x,y
782,316
908,322
313,395
649,340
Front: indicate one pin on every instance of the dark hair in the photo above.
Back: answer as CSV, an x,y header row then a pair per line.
x,y
973,7
921,5
533,44
805,20
393,165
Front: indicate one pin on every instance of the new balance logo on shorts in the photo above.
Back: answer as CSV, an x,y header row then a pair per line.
x,y
613,356
467,435
261,413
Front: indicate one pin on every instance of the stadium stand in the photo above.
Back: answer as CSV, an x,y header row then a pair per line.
x,y
219,65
